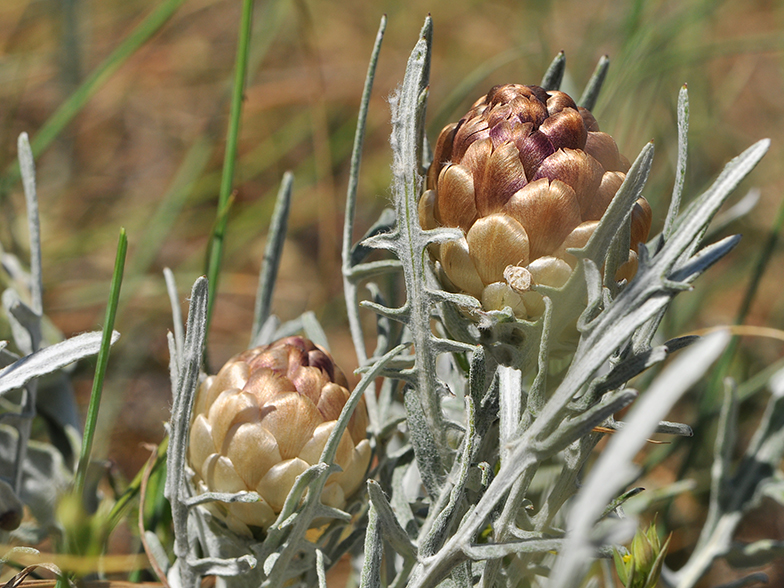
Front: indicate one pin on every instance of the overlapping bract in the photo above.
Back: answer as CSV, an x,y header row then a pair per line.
x,y
526,174
264,419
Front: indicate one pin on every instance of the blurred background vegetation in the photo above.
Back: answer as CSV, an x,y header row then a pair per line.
x,y
144,150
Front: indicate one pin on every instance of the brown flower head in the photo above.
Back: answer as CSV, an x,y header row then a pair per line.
x,y
526,174
264,419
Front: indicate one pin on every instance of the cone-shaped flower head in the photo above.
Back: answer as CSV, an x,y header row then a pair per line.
x,y
264,419
526,174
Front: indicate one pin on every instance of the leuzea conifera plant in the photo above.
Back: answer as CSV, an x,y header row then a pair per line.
x,y
264,456
485,415
501,400
263,420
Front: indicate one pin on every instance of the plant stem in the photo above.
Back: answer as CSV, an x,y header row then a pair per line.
x,y
215,250
103,360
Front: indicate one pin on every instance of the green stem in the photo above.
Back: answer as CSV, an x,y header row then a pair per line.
x,y
100,368
215,250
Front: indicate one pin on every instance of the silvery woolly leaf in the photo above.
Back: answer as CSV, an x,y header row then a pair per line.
x,y
272,255
394,532
374,552
44,477
614,468
176,487
758,553
50,359
25,323
56,402
384,224
224,567
555,72
156,551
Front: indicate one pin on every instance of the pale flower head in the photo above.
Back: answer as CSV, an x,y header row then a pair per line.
x,y
264,419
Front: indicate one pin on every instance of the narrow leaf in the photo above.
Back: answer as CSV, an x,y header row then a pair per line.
x,y
27,167
374,551
393,531
680,167
554,75
91,420
272,255
594,86
215,250
174,301
614,467
50,359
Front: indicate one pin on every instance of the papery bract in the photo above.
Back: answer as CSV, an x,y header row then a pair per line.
x,y
263,420
526,174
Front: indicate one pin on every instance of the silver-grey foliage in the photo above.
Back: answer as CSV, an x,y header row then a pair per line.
x,y
482,423
38,473
542,417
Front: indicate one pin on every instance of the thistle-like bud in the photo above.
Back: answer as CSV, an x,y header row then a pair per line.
x,y
263,420
526,175
641,566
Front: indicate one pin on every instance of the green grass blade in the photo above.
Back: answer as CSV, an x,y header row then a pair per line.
x,y
215,251
103,359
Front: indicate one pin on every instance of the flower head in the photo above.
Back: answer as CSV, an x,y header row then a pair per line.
x,y
264,419
526,175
